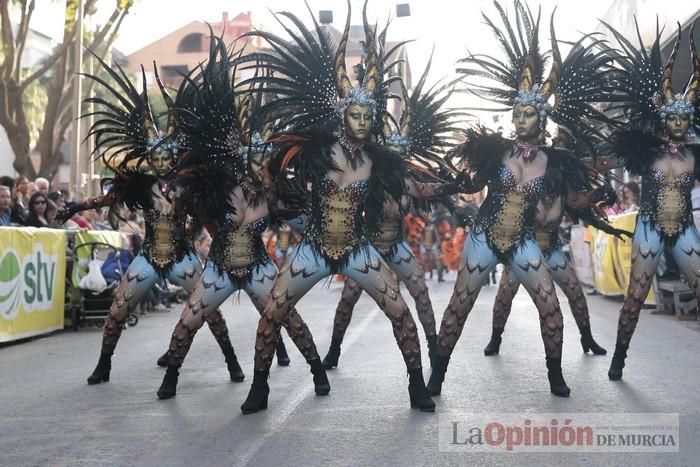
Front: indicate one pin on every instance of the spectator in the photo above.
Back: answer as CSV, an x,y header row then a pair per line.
x,y
19,213
629,194
22,192
78,222
58,199
51,211
42,185
6,215
38,205
202,244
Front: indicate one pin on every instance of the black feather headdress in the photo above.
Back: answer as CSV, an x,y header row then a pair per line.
x,y
125,129
426,126
567,95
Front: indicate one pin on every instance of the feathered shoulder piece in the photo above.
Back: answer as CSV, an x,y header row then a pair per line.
x,y
305,153
481,153
130,188
387,181
566,172
637,149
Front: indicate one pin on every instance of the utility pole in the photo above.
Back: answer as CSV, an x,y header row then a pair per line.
x,y
75,171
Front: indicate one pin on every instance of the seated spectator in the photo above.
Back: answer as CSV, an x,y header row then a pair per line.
x,y
51,211
77,222
42,185
38,204
5,206
630,197
22,192
58,199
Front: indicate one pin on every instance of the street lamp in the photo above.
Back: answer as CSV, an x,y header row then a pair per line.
x,y
325,16
402,10
75,172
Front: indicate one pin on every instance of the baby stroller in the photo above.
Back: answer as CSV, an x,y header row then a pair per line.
x,y
97,270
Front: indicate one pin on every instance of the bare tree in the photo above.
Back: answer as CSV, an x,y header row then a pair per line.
x,y
59,66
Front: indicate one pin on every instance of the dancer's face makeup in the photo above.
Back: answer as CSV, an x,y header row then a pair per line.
x,y
162,161
358,121
526,121
677,126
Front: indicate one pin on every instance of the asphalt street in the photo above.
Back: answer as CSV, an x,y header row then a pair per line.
x,y
50,416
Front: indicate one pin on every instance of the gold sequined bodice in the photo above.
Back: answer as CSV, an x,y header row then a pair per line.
x,y
337,226
164,240
508,212
667,202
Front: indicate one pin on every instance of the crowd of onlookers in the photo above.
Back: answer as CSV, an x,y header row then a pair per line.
x,y
25,203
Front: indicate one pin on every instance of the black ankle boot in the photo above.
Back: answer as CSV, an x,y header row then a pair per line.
x,y
330,361
618,362
420,399
588,343
438,374
101,373
169,385
556,380
259,390
282,355
432,345
321,384
163,360
494,345
234,369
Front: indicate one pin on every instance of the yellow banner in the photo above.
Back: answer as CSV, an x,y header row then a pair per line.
x,y
612,257
84,239
32,281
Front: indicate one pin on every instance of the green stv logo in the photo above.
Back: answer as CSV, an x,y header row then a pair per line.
x,y
29,282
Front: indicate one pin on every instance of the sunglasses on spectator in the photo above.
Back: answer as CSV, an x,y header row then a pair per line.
x,y
39,202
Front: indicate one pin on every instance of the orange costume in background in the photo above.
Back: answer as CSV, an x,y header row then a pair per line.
x,y
414,226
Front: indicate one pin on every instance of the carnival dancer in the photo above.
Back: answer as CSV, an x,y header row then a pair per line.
x,y
329,146
142,157
423,130
518,173
660,145
224,184
550,210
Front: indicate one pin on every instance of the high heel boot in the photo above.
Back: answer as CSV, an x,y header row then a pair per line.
x,y
420,399
168,387
163,359
330,361
234,369
101,373
588,343
618,362
282,355
556,380
494,345
438,374
321,384
259,390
